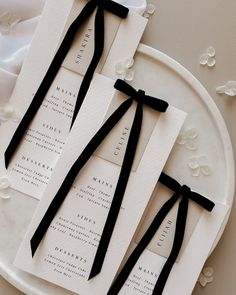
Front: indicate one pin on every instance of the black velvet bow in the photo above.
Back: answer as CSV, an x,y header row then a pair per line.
x,y
140,96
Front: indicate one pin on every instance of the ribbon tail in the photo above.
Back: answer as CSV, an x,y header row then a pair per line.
x,y
119,193
74,171
46,220
98,50
124,87
178,240
141,246
47,81
54,206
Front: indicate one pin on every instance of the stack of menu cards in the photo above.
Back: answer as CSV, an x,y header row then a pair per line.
x,y
67,251
33,163
49,149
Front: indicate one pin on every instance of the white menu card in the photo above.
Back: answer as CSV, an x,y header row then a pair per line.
x,y
35,159
66,253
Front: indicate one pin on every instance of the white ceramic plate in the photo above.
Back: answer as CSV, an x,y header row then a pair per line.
x,y
163,77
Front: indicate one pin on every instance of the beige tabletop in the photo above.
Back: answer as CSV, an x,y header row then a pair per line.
x,y
183,29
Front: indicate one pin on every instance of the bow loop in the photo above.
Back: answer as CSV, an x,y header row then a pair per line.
x,y
185,191
202,201
127,89
140,96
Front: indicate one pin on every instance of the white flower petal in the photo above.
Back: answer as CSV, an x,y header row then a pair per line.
x,y
196,172
120,68
211,51
221,89
210,279
191,146
203,59
193,164
203,281
146,15
129,62
121,76
231,92
199,277
8,110
206,170
231,84
16,117
208,271
230,88
4,196
211,62
192,133
4,183
181,139
150,8
129,76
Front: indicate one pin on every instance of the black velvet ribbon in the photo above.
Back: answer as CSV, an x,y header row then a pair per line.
x,y
140,98
179,191
60,55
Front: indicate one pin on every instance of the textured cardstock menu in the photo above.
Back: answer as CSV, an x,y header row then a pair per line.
x,y
35,159
67,251
202,228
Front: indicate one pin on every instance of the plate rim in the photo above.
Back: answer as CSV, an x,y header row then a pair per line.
x,y
21,284
217,116
211,105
